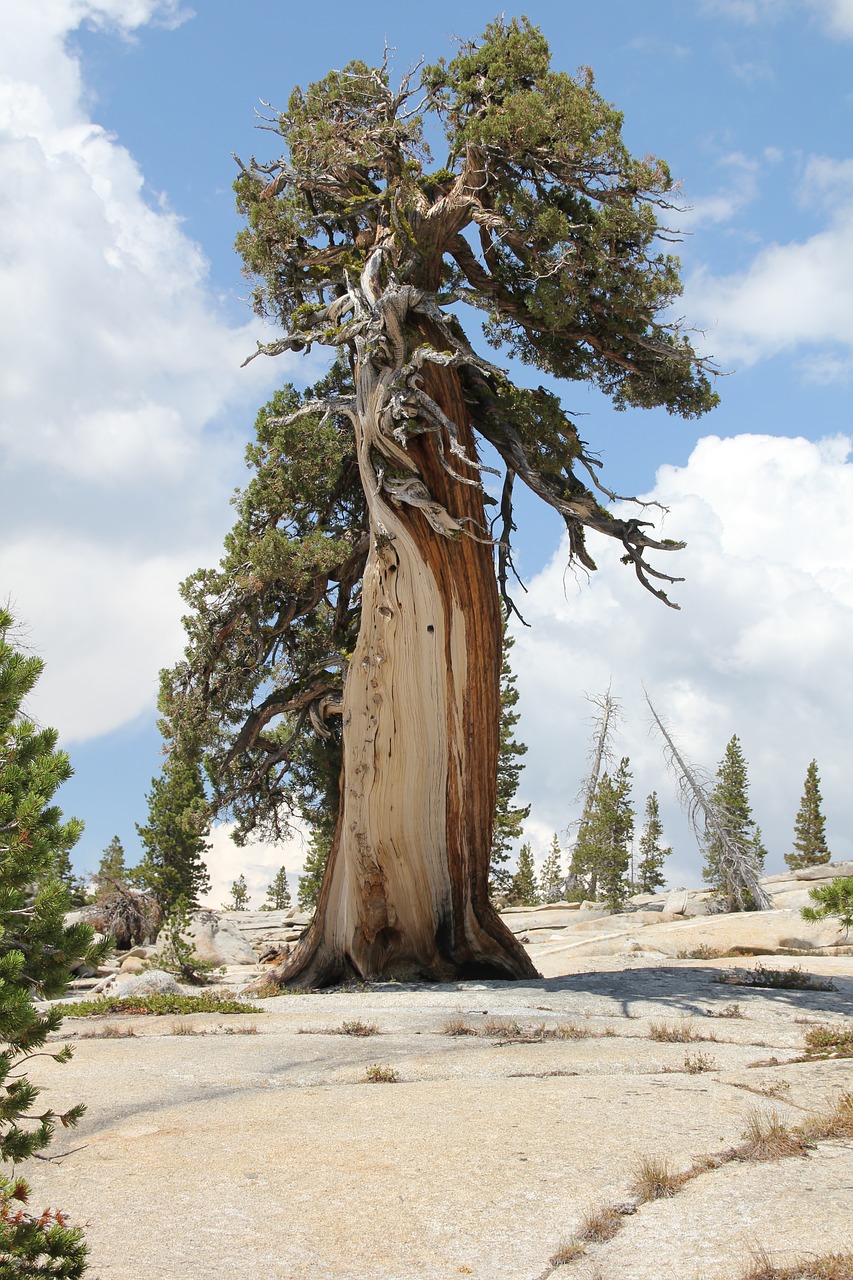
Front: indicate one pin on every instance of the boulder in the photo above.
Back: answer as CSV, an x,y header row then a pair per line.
x,y
215,940
153,982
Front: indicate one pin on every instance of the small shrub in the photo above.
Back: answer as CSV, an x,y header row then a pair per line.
x,y
767,1137
781,979
353,1028
176,954
187,1029
667,1032
696,1063
376,1074
251,1029
654,1180
730,1011
599,1224
829,1042
703,952
154,1004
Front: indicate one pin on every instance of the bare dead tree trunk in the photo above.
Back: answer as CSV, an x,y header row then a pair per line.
x,y
736,862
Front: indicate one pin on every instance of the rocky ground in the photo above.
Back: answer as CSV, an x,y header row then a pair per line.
x,y
256,1145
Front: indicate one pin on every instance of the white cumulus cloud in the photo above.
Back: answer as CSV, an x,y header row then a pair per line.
x,y
121,392
760,647
794,295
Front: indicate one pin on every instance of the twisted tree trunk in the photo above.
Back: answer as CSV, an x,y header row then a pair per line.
x,y
405,891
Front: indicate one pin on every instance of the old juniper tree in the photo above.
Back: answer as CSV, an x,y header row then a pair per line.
x,y
810,847
359,595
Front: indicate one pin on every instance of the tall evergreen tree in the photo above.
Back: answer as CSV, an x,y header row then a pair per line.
x,y
810,848
313,869
36,949
278,893
509,819
551,879
731,798
523,891
238,895
602,854
112,870
652,855
358,595
172,867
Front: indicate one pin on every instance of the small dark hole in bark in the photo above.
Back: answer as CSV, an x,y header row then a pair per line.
x,y
392,568
430,628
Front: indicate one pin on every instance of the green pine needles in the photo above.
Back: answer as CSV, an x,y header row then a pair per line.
x,y
36,949
810,847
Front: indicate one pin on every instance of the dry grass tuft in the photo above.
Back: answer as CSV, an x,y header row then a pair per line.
x,y
828,1266
109,1032
568,1252
599,1223
503,1029
654,1180
354,1028
673,1033
837,1122
458,1027
767,1137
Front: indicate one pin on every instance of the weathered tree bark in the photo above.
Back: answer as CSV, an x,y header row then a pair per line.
x,y
405,892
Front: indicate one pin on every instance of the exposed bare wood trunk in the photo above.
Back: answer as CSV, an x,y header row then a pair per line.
x,y
405,892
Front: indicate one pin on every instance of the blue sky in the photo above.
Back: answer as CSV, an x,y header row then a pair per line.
x,y
124,412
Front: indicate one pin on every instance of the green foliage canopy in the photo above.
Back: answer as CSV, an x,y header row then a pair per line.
x,y
541,221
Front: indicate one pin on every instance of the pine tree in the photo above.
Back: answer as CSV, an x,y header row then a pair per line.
x,y
172,868
112,871
509,820
313,870
731,798
36,949
602,854
523,891
238,895
810,848
278,893
551,879
652,856
832,899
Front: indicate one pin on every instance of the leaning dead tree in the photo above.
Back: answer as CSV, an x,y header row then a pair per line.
x,y
738,865
352,633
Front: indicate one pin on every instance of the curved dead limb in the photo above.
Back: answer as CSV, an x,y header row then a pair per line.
x,y
737,858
